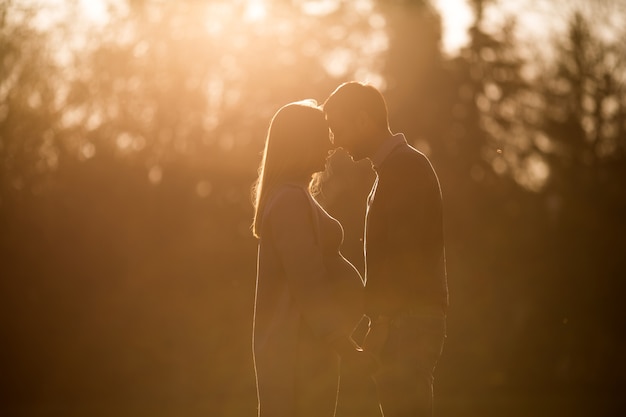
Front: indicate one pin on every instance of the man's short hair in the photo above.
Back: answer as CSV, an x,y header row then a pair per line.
x,y
351,98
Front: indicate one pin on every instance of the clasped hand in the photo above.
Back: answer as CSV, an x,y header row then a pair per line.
x,y
361,362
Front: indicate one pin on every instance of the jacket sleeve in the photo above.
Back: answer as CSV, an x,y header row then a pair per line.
x,y
294,234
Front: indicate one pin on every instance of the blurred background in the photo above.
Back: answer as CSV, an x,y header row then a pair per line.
x,y
130,135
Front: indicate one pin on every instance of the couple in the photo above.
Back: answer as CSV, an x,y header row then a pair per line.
x,y
309,298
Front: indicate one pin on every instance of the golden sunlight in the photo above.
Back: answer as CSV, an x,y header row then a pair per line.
x,y
95,11
457,17
255,10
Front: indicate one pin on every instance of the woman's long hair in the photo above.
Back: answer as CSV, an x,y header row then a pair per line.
x,y
290,144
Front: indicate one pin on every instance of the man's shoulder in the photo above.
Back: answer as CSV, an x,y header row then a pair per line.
x,y
406,157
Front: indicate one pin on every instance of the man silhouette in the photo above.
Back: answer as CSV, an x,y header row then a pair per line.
x,y
406,293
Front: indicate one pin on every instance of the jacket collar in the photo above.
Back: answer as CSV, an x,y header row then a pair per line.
x,y
386,148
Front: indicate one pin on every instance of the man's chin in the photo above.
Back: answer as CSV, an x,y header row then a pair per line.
x,y
356,158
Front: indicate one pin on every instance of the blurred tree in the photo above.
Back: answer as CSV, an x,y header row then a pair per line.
x,y
28,147
500,106
558,136
485,145
584,140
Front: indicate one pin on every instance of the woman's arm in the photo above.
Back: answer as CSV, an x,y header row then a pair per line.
x,y
293,232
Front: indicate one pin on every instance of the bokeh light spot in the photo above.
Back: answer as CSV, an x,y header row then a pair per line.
x,y
203,189
155,175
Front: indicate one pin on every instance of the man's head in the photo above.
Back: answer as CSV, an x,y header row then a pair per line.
x,y
357,116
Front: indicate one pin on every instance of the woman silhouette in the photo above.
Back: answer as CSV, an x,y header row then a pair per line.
x,y
308,296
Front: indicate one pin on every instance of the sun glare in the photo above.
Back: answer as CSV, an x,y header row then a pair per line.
x,y
456,18
95,11
320,7
255,11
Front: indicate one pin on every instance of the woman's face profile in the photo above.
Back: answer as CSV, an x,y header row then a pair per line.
x,y
302,139
320,145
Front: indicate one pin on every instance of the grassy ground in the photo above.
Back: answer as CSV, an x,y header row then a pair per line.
x,y
500,405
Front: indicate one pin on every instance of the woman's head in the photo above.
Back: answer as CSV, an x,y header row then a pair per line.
x,y
296,147
297,142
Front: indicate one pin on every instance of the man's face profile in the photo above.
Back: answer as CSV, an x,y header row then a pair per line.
x,y
345,134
